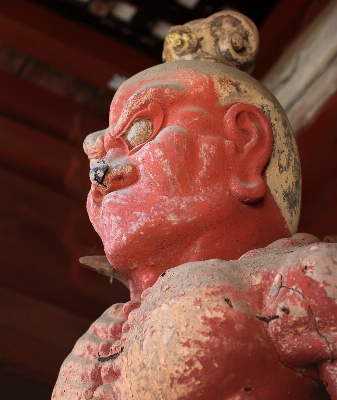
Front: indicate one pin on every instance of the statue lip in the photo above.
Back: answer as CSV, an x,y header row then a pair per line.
x,y
117,196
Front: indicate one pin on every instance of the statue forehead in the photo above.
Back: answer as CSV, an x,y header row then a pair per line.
x,y
190,78
160,81
189,82
187,72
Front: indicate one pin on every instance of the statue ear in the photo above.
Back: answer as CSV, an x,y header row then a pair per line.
x,y
249,148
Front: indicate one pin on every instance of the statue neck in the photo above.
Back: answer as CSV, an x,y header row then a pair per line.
x,y
250,227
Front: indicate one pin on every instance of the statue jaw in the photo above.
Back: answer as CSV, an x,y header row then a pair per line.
x,y
171,232
163,234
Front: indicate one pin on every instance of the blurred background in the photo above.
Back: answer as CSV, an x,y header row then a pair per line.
x,y
61,62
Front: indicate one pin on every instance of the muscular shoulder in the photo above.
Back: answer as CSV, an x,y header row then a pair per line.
x,y
186,333
197,334
303,300
195,277
312,269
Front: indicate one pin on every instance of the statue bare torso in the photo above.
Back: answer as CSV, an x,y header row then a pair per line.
x,y
218,329
199,163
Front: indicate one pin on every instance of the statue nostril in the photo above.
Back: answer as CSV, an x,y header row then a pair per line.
x,y
97,173
107,178
97,195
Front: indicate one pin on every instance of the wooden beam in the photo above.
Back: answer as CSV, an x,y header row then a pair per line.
x,y
44,322
36,336
66,45
283,25
25,147
14,387
38,107
53,162
306,75
276,32
29,357
317,147
36,201
42,230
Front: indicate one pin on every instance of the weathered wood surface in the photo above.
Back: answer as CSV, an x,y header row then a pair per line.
x,y
40,344
306,75
78,50
286,22
56,115
101,265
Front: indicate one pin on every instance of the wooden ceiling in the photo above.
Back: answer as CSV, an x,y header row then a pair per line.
x,y
144,23
55,82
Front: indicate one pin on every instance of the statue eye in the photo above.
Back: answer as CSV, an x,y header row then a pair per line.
x,y
139,132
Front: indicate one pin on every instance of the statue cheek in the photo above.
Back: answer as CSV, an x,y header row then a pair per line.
x,y
167,164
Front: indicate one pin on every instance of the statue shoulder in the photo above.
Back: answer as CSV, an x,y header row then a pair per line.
x,y
303,299
312,269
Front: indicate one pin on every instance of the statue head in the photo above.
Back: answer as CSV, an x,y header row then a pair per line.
x,y
198,162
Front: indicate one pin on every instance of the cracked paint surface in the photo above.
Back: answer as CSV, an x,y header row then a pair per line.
x,y
216,179
306,302
195,333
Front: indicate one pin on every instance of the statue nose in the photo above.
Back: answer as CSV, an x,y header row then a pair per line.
x,y
107,178
97,174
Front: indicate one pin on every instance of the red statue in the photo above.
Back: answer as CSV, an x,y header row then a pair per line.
x,y
198,168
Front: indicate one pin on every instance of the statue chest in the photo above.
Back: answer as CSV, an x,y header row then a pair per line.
x,y
202,340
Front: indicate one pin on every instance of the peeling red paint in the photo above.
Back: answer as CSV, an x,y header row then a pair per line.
x,y
198,187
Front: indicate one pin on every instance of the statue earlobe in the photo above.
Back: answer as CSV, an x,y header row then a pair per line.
x,y
250,145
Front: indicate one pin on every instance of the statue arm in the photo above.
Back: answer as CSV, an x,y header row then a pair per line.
x,y
328,375
80,373
304,303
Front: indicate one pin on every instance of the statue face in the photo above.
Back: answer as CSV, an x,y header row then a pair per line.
x,y
183,170
164,174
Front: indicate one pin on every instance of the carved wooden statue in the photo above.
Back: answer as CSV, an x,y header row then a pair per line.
x,y
195,185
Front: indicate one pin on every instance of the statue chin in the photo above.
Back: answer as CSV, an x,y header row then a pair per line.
x,y
150,235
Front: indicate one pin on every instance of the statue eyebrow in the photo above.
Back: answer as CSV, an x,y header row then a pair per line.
x,y
175,86
154,92
150,92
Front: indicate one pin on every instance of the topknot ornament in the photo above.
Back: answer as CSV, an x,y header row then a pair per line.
x,y
226,37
